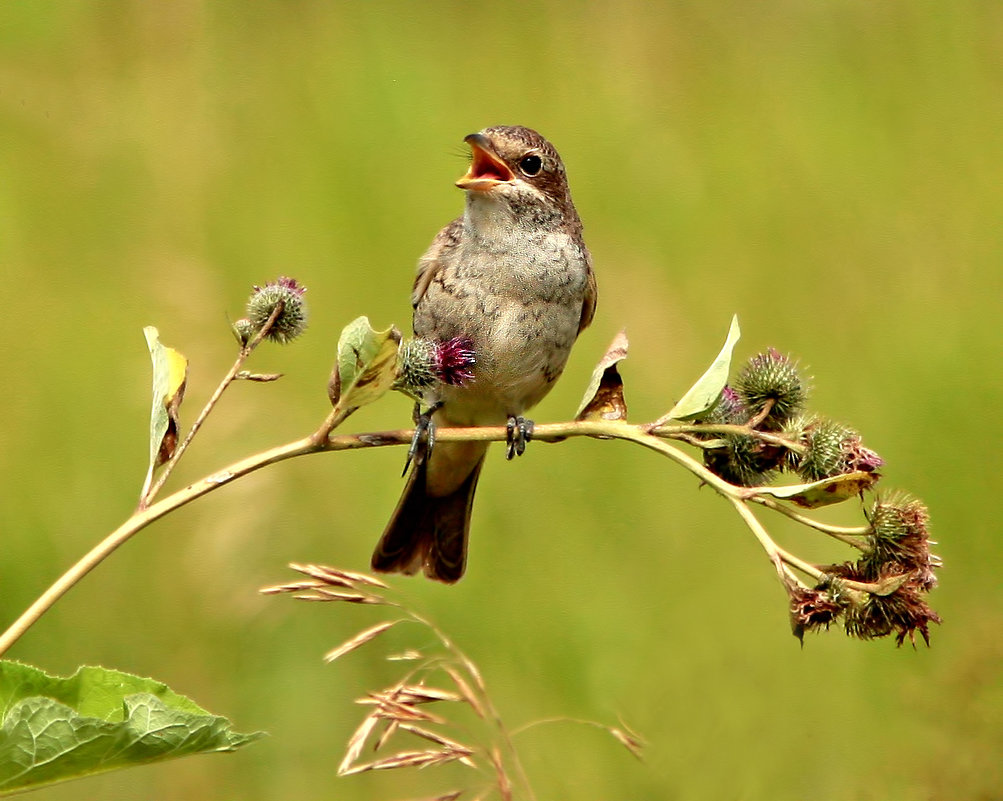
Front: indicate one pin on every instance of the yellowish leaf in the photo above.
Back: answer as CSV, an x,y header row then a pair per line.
x,y
824,492
366,366
170,376
705,392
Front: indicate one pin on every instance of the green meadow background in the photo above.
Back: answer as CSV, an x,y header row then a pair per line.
x,y
830,171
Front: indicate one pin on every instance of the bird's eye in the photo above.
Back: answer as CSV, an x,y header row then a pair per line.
x,y
531,165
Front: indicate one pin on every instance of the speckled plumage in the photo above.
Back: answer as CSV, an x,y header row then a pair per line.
x,y
513,275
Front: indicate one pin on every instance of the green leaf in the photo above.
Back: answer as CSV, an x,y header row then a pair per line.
x,y
705,392
824,492
55,729
366,366
603,399
170,375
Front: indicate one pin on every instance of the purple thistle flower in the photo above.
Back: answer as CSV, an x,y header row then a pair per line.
x,y
454,361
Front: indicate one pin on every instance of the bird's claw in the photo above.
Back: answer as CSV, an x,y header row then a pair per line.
x,y
424,437
518,432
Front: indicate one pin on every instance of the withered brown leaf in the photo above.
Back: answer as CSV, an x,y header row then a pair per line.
x,y
603,398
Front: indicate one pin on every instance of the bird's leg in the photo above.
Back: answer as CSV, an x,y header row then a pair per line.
x,y
424,435
518,432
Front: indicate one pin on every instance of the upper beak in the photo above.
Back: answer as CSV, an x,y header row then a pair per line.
x,y
486,169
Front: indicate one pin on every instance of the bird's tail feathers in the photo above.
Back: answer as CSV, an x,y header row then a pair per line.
x,y
428,532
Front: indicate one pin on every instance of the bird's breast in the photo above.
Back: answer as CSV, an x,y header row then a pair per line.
x,y
520,303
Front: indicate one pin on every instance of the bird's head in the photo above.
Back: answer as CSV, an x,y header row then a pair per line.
x,y
516,166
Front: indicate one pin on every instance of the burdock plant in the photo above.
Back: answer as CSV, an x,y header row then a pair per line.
x,y
748,432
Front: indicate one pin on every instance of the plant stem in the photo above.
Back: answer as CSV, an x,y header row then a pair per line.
x,y
773,551
312,444
140,520
849,534
337,416
150,492
780,557
322,440
683,432
639,435
485,697
763,413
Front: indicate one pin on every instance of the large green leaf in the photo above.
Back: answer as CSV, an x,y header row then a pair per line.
x,y
55,729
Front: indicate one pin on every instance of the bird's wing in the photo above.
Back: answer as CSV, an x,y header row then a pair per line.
x,y
589,304
430,263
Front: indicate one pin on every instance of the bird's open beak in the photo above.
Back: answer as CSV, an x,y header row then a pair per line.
x,y
486,169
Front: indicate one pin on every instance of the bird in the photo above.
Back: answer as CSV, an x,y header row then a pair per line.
x,y
513,277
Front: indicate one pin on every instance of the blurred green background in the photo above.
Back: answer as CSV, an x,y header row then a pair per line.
x,y
831,171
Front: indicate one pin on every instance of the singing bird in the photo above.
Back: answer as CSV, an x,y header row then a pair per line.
x,y
512,276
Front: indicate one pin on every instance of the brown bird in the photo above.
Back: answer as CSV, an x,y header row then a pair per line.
x,y
513,276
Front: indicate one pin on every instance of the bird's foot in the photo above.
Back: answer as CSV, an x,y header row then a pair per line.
x,y
424,436
518,431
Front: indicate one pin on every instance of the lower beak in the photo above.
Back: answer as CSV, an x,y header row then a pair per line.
x,y
486,169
